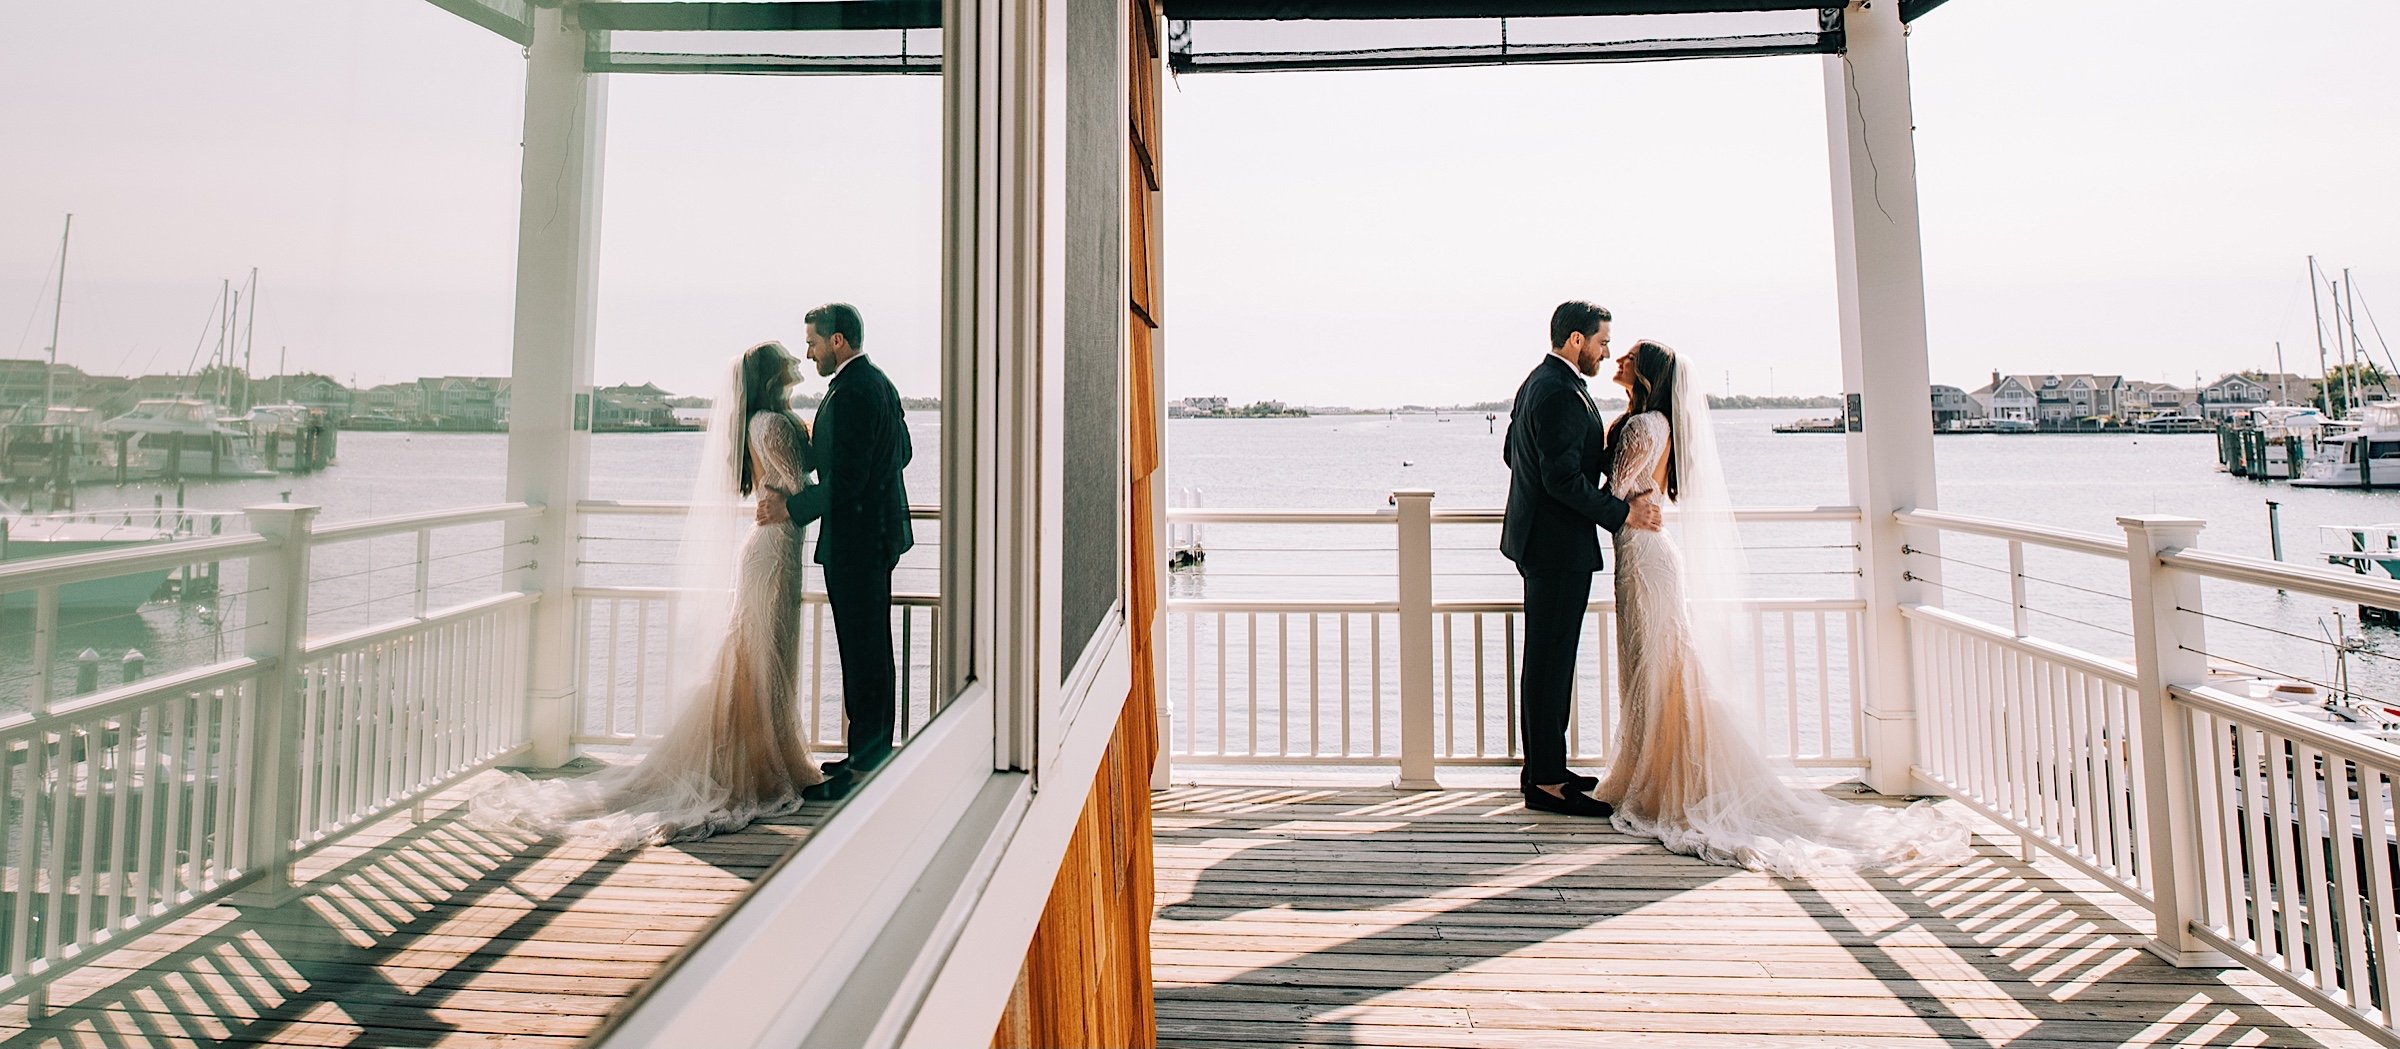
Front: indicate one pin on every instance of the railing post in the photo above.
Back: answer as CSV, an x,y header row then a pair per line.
x,y
1416,638
277,636
2168,650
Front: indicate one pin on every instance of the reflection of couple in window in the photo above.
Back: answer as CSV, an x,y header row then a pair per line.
x,y
736,749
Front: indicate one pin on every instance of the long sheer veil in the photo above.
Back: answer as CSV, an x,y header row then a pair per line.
x,y
708,556
1742,809
1716,566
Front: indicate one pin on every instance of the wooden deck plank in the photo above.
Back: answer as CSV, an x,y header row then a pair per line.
x,y
437,933
1369,917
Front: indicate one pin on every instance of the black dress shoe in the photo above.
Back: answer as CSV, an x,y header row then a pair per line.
x,y
1574,803
835,787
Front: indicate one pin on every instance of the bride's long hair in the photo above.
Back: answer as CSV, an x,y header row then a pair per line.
x,y
765,375
1655,373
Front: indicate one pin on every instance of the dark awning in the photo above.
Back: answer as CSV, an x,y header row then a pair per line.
x,y
1246,36
904,36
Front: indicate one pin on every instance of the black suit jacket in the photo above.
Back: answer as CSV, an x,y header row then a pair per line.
x,y
1556,454
861,444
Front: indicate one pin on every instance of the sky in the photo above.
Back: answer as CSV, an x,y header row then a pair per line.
x,y
2132,188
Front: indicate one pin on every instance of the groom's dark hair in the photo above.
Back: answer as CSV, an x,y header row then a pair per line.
x,y
838,318
1575,317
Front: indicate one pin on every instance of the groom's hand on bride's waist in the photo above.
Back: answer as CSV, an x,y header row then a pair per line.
x,y
1645,516
770,507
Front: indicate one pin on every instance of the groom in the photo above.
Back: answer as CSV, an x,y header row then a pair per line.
x,y
1556,454
860,445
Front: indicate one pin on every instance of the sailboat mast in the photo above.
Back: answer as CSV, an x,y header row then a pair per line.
x,y
2283,381
249,338
2325,381
2358,348
58,305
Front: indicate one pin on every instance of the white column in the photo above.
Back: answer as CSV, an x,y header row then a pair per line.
x,y
549,427
278,583
1416,639
1879,265
2167,647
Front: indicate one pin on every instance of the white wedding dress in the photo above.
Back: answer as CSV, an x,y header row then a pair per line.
x,y
1686,771
735,751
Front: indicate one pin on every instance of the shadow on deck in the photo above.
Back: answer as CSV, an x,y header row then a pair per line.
x,y
417,934
1373,917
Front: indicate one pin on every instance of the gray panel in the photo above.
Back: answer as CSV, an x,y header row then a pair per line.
x,y
1092,577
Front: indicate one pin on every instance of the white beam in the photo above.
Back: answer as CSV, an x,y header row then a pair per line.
x,y
1879,263
549,432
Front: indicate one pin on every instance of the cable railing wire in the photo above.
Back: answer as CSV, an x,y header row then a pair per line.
x,y
2330,688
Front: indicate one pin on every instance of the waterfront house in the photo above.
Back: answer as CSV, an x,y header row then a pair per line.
x,y
321,392
464,402
2054,401
399,400
1951,404
2143,399
1031,868
23,383
2234,394
632,407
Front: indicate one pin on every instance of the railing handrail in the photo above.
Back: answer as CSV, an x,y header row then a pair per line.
x,y
679,507
318,647
1204,515
1463,515
2096,665
2366,750
105,564
417,522
1493,514
807,597
2092,543
196,679
2306,579
1206,605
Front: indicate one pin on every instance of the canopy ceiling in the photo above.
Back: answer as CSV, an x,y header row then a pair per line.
x,y
1205,36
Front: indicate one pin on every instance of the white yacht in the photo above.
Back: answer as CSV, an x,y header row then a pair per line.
x,y
26,537
31,447
186,438
2366,457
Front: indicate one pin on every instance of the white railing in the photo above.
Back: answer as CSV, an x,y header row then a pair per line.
x,y
624,655
130,807
625,659
2257,836
1415,681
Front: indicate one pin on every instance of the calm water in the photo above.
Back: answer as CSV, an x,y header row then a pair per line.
x,y
2074,481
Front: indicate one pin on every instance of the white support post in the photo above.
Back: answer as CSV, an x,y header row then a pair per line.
x,y
549,426
1880,279
1416,639
279,599
2167,650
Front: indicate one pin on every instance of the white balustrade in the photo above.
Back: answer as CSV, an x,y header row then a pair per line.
x,y
2256,836
623,632
130,807
1417,682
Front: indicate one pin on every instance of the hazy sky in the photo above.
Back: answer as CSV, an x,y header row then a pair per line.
x,y
2132,187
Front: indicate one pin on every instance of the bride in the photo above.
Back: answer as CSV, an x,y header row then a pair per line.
x,y
735,751
1686,771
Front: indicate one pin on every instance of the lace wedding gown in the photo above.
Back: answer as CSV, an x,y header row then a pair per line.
x,y
735,751
1685,770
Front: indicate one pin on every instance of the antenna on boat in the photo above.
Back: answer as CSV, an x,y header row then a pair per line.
x,y
58,305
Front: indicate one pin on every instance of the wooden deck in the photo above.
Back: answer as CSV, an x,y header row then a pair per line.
x,y
416,934
1371,917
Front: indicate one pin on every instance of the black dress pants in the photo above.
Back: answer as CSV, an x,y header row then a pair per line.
x,y
861,597
1554,608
